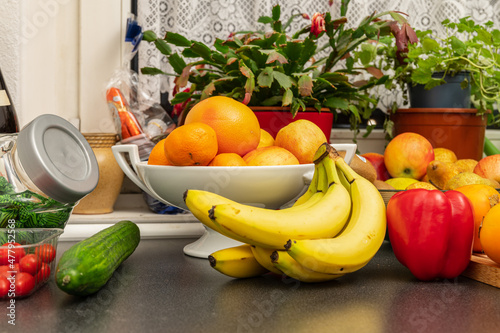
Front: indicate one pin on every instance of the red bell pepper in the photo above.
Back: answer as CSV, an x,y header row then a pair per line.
x,y
431,232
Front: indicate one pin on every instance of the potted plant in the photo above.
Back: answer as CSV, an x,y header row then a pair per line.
x,y
466,58
309,68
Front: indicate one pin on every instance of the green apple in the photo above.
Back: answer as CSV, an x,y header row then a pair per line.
x,y
407,156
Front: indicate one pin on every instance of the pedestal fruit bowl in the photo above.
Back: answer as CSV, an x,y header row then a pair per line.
x,y
264,186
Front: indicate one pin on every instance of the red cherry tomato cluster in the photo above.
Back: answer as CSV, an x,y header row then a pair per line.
x,y
20,272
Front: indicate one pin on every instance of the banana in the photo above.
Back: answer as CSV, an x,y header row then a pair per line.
x,y
201,202
273,228
290,267
263,257
358,242
236,262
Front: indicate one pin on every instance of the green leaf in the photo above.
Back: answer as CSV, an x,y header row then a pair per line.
x,y
429,44
354,109
151,71
149,36
276,12
265,78
245,70
177,62
208,90
219,46
336,103
265,19
202,50
219,58
305,84
496,37
421,76
284,81
163,47
180,97
276,56
177,40
458,46
287,98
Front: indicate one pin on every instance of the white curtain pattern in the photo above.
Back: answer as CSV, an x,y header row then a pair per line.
x,y
206,20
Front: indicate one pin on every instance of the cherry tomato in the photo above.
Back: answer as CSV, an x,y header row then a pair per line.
x,y
4,286
46,252
25,283
12,249
43,274
30,263
8,270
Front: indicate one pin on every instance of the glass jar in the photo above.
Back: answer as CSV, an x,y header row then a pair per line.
x,y
45,169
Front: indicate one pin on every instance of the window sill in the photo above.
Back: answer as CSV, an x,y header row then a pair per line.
x,y
132,207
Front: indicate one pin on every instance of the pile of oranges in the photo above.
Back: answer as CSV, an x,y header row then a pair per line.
x,y
220,131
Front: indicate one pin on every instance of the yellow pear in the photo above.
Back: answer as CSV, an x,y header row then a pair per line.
x,y
466,165
425,185
401,183
440,173
469,178
444,155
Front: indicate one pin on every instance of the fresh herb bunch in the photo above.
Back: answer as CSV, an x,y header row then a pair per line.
x,y
466,46
274,69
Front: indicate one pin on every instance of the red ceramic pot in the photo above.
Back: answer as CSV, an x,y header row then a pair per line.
x,y
273,118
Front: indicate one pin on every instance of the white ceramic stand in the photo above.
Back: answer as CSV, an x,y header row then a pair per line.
x,y
208,243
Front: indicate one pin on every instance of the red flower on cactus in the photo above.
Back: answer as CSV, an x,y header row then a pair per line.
x,y
317,24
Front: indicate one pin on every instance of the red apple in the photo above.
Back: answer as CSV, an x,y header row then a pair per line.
x,y
489,167
407,155
377,160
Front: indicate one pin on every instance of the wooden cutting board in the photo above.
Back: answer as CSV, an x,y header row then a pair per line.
x,y
484,270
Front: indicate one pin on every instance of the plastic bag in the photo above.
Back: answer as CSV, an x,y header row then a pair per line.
x,y
138,119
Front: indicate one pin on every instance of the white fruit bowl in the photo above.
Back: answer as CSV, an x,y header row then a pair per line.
x,y
265,186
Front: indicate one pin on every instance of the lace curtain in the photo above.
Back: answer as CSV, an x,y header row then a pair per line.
x,y
206,20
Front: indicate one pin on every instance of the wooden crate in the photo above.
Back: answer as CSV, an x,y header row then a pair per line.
x,y
484,270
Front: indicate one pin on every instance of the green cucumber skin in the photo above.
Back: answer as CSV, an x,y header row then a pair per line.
x,y
88,265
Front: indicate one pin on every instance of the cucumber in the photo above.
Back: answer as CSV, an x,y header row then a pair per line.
x,y
88,265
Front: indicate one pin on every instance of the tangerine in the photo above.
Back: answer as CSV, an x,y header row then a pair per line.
x,y
157,155
191,144
490,229
482,198
302,138
272,155
266,139
236,126
227,159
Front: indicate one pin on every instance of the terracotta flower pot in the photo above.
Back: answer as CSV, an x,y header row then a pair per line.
x,y
460,130
273,118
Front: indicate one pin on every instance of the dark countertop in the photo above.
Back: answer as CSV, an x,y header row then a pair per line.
x,y
159,289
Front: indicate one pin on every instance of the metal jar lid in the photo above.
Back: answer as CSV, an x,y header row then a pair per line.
x,y
57,158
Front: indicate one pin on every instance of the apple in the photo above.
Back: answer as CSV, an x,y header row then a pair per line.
x,y
489,167
377,160
407,155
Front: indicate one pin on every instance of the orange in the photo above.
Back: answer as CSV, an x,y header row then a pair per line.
x,y
490,233
271,155
266,139
228,159
157,155
302,138
482,198
191,144
236,126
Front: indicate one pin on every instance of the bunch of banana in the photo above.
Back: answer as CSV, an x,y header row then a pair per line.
x,y
334,228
